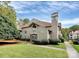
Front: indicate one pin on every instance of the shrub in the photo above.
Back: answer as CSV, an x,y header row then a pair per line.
x,y
7,28
75,41
61,39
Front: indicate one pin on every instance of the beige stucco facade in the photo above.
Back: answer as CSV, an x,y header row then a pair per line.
x,y
42,32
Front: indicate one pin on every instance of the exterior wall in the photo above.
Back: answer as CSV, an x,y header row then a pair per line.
x,y
55,29
42,33
23,35
73,35
59,30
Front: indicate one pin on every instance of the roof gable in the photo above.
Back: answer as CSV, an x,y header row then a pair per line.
x,y
41,23
38,23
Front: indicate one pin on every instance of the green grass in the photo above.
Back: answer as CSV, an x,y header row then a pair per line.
x,y
76,47
60,45
30,51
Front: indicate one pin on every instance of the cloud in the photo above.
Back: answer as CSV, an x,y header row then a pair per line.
x,y
16,5
69,22
52,6
60,5
24,6
34,10
43,9
22,12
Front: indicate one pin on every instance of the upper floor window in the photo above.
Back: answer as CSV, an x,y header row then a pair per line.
x,y
34,26
70,35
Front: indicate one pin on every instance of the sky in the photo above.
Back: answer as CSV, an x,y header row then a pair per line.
x,y
42,10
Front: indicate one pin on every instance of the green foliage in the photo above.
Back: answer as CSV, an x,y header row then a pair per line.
x,y
26,20
8,11
7,21
7,28
61,39
65,32
5,3
74,27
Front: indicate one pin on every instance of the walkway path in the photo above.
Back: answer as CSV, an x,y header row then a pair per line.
x,y
43,46
72,53
51,47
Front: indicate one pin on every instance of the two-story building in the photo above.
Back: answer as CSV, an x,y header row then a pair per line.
x,y
42,32
74,34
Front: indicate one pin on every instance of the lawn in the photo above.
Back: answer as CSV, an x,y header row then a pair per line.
x,y
76,47
30,51
60,45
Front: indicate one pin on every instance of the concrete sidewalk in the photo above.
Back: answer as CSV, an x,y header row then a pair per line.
x,y
72,53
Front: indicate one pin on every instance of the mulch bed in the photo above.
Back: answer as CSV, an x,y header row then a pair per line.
x,y
8,42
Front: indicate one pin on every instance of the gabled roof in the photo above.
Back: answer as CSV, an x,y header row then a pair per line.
x,y
77,31
74,32
39,23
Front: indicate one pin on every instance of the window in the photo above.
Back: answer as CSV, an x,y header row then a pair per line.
x,y
71,35
34,26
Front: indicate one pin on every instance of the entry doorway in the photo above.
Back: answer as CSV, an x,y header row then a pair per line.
x,y
33,37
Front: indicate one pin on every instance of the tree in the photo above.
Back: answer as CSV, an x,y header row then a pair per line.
x,y
65,32
26,20
8,29
4,3
74,27
8,11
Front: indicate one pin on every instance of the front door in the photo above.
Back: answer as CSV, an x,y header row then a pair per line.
x,y
33,37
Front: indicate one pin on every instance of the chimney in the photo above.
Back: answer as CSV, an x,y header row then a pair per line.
x,y
55,29
54,16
